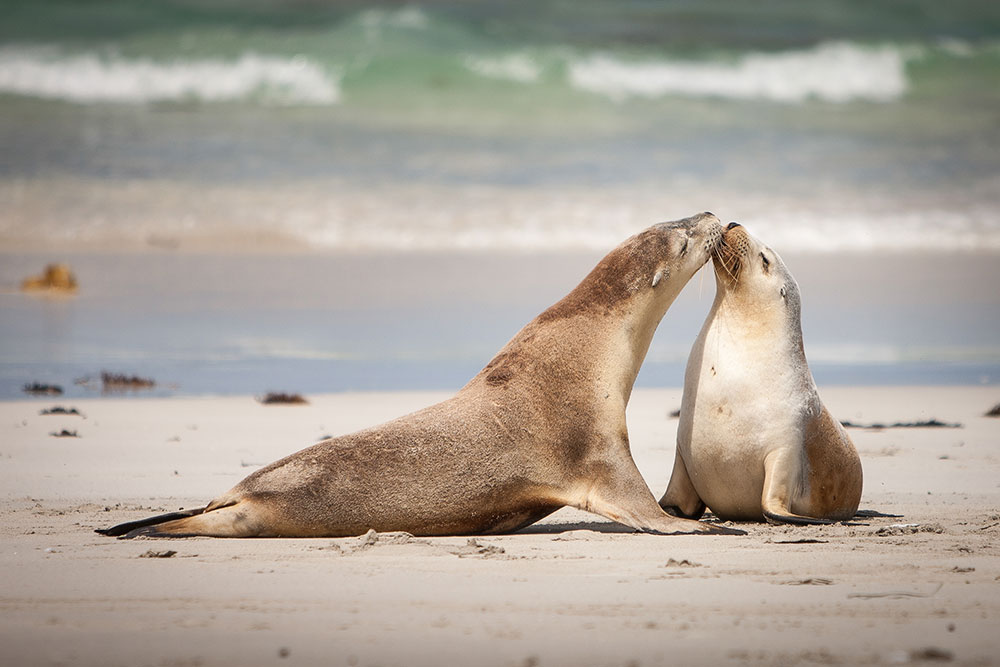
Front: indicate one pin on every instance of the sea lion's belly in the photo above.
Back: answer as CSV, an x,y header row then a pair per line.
x,y
729,442
728,476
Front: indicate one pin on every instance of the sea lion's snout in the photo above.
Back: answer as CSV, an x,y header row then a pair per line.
x,y
735,235
729,253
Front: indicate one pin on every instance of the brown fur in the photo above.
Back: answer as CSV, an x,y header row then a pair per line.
x,y
615,279
541,426
835,475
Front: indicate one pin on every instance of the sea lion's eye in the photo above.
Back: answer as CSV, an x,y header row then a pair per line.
x,y
684,248
767,262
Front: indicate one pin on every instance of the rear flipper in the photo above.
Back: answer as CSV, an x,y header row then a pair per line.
x,y
225,518
146,526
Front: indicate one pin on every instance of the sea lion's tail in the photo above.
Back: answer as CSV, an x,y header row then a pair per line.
x,y
147,526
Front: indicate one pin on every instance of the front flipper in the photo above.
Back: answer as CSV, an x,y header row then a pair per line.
x,y
781,472
776,519
619,493
681,499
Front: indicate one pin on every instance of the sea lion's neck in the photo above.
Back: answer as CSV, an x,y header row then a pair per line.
x,y
605,347
638,325
737,324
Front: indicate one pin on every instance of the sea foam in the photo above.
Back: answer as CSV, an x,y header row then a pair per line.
x,y
92,78
830,72
346,218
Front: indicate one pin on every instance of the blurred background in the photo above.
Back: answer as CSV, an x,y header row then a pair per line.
x,y
328,196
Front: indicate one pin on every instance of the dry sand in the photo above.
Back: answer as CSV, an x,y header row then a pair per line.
x,y
921,587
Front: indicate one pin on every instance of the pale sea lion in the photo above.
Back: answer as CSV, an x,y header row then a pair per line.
x,y
754,440
540,427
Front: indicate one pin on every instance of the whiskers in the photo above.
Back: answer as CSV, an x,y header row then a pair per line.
x,y
730,259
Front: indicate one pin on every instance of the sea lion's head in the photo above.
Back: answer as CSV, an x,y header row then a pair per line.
x,y
749,273
646,270
676,250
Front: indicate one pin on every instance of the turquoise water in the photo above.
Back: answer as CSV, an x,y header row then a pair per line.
x,y
839,132
829,126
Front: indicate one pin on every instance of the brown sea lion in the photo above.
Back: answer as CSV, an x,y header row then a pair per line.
x,y
540,427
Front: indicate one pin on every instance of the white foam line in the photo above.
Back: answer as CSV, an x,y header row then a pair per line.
x,y
832,72
89,78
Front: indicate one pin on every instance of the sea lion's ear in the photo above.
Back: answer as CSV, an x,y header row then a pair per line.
x,y
660,275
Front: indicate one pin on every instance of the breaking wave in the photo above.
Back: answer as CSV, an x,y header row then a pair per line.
x,y
91,78
831,72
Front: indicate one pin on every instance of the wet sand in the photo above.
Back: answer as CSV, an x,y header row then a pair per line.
x,y
240,324
922,586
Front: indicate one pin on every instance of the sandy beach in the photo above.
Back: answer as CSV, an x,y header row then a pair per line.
x,y
915,581
362,201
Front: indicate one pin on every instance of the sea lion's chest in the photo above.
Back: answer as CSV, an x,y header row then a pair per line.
x,y
742,402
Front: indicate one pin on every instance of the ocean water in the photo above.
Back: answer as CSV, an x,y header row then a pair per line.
x,y
456,133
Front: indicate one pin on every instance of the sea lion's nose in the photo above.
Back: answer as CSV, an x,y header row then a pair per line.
x,y
731,225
